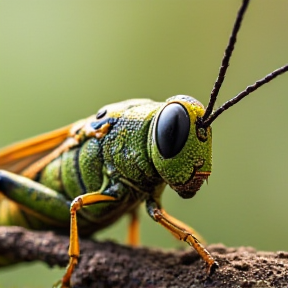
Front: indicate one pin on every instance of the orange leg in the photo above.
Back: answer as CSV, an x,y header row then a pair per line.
x,y
183,226
133,229
180,231
74,249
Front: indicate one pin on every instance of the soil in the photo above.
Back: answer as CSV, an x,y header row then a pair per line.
x,y
108,264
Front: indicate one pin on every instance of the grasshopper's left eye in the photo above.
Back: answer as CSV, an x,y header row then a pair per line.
x,y
172,130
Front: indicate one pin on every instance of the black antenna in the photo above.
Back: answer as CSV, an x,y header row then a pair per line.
x,y
209,117
225,61
243,94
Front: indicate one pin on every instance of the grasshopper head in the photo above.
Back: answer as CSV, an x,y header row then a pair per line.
x,y
180,146
181,153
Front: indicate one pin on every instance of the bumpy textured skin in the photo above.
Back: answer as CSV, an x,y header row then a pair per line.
x,y
124,163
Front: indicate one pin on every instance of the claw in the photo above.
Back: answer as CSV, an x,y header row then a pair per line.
x,y
61,284
212,268
57,284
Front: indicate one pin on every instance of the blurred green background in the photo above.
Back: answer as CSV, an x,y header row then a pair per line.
x,y
60,61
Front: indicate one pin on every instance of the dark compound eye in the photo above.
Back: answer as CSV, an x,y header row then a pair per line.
x,y
101,114
172,130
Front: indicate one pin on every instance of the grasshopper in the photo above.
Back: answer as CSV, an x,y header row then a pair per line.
x,y
94,171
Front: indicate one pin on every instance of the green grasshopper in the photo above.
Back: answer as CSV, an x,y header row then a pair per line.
x,y
85,176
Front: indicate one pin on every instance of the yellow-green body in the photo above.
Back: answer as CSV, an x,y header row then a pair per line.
x,y
124,163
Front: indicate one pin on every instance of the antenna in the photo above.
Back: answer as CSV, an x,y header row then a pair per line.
x,y
210,116
243,94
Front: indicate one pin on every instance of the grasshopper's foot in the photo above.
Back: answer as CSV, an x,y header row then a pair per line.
x,y
61,284
65,282
211,268
57,284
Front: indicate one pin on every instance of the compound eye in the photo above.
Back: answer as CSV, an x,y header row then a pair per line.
x,y
172,130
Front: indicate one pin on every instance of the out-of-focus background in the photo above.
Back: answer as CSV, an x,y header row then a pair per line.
x,y
61,61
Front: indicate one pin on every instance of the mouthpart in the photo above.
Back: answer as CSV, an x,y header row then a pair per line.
x,y
189,188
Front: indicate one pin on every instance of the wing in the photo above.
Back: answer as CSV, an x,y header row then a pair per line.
x,y
22,155
19,156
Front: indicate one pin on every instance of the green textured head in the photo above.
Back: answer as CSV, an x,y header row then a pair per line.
x,y
180,145
181,153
